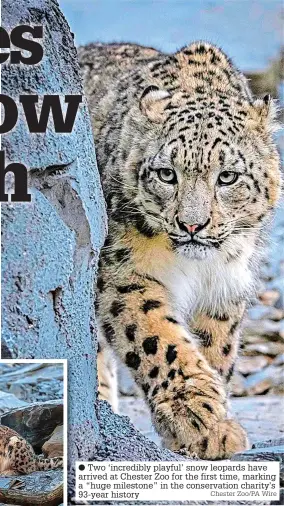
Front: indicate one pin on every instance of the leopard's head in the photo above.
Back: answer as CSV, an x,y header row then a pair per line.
x,y
209,175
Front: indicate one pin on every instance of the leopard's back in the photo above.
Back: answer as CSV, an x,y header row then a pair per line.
x,y
103,65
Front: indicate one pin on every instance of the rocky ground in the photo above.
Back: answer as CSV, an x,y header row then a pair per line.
x,y
31,402
22,383
260,368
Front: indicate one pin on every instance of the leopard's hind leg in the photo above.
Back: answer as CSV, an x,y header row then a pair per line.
x,y
107,375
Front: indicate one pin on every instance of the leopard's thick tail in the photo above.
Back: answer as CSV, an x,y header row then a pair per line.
x,y
44,464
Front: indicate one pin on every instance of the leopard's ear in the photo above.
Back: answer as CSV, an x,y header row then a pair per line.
x,y
153,102
263,113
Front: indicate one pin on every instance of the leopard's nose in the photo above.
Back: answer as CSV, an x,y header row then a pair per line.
x,y
192,228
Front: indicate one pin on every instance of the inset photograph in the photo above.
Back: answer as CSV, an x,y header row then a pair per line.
x,y
32,432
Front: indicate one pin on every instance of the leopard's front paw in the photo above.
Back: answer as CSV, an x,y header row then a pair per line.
x,y
9,472
223,440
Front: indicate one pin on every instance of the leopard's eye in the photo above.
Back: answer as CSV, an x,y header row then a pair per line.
x,y
167,176
227,177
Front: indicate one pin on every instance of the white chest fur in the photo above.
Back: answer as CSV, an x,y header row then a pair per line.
x,y
209,285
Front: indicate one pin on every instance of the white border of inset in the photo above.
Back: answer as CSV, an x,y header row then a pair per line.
x,y
64,363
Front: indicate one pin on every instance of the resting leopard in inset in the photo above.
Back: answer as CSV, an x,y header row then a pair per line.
x,y
190,173
18,457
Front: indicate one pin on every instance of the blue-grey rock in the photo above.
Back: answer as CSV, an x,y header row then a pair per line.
x,y
33,382
261,312
51,246
267,378
9,401
41,488
279,360
35,422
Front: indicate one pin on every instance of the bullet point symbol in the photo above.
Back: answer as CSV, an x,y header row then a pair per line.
x,y
81,467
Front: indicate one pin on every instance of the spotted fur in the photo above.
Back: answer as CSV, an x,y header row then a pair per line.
x,y
190,173
18,457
